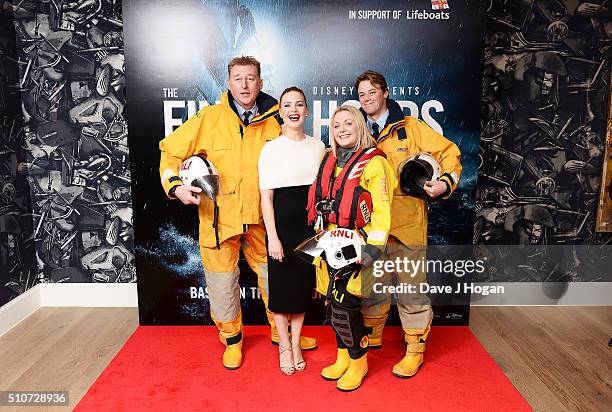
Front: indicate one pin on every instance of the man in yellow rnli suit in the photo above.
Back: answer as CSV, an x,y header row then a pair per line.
x,y
375,175
231,135
400,137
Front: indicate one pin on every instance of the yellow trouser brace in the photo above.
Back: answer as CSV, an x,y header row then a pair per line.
x,y
221,274
415,339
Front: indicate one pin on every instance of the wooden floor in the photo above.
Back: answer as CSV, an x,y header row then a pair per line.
x,y
557,357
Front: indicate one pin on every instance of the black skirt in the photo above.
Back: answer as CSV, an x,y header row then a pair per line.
x,y
291,282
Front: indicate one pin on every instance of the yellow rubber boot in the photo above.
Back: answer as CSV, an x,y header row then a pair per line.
x,y
306,343
230,334
413,360
232,357
352,378
335,371
408,366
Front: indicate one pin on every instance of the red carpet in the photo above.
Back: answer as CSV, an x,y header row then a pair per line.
x,y
179,369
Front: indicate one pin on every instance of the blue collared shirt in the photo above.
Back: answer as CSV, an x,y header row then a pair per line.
x,y
254,111
381,122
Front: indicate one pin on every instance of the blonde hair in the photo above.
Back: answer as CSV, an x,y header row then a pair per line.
x,y
364,138
244,61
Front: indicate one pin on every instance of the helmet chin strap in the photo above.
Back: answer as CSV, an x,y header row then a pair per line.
x,y
215,224
210,189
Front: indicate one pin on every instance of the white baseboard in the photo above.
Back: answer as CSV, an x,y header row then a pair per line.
x,y
19,308
91,295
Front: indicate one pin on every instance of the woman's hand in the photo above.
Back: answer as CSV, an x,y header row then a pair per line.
x,y
275,249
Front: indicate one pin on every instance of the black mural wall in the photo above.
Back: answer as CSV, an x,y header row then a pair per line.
x,y
546,81
73,131
17,257
65,200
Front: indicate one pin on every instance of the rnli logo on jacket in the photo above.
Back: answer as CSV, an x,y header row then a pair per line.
x,y
439,4
364,211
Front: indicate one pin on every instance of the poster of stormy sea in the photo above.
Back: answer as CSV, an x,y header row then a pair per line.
x,y
176,62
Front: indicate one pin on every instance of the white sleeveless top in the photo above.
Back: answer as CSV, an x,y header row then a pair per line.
x,y
284,162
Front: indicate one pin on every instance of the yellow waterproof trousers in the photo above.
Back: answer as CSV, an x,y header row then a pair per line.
x,y
221,274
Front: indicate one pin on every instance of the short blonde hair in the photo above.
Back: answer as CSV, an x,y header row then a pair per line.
x,y
244,61
364,138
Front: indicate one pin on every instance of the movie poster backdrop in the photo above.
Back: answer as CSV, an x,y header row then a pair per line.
x,y
176,62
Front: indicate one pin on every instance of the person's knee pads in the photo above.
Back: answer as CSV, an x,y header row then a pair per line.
x,y
348,325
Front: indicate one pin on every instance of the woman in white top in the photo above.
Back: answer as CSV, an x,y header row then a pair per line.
x,y
287,167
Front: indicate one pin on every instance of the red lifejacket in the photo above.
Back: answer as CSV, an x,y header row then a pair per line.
x,y
349,204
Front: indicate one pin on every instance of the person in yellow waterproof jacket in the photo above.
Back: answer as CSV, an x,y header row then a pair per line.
x,y
231,135
351,143
401,137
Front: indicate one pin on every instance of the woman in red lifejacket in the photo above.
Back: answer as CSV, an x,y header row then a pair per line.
x,y
353,190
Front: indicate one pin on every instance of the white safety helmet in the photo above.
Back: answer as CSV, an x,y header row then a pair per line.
x,y
200,172
415,171
342,248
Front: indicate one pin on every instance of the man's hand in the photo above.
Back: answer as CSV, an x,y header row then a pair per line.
x,y
370,254
188,194
366,260
434,188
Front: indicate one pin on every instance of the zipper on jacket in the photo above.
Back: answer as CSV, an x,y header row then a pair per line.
x,y
241,131
245,228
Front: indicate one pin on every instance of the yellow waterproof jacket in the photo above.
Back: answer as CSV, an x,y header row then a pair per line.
x,y
219,133
401,138
378,179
